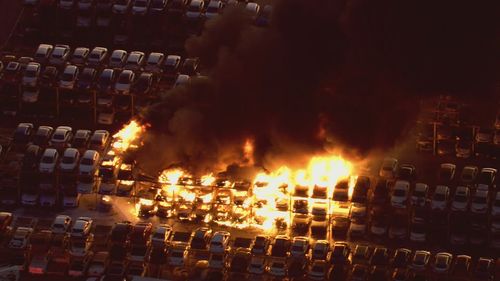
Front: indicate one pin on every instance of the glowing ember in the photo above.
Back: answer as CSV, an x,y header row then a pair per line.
x,y
128,135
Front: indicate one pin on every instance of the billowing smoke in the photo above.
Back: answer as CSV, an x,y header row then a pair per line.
x,y
346,73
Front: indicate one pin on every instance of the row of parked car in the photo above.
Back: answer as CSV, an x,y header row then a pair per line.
x,y
191,10
141,249
444,134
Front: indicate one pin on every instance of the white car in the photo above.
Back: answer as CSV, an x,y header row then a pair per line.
x,y
97,56
219,242
89,163
154,63
216,261
257,265
31,74
419,195
20,238
61,224
495,206
277,268
121,6
69,160
300,247
460,201
400,193
43,52
389,168
140,7
117,58
81,227
124,82
48,161
440,198
480,202
195,10
178,254
161,235
59,55
135,60
68,77
61,137
80,55
214,8
468,175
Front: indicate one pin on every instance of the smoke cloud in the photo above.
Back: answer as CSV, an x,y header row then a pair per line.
x,y
346,73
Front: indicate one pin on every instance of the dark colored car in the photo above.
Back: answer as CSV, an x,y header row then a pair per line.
x,y
261,245
190,66
360,191
340,254
42,136
32,157
381,193
86,78
201,238
120,233
48,78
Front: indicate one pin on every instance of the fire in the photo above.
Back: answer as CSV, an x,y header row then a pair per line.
x,y
248,149
171,176
128,135
269,188
207,180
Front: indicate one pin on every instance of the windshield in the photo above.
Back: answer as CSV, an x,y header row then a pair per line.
x,y
460,198
47,159
157,4
213,9
439,197
87,161
400,193
67,77
479,200
194,8
67,160
30,73
124,79
58,136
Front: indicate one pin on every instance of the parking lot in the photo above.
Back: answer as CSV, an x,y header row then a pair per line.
x,y
122,66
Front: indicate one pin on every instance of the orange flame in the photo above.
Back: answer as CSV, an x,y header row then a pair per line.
x,y
128,135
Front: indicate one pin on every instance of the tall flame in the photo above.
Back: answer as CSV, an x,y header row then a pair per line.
x,y
128,135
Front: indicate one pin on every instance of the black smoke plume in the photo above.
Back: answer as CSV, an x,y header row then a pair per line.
x,y
347,71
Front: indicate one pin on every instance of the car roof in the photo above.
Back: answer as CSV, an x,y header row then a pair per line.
x,y
50,152
70,151
90,153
